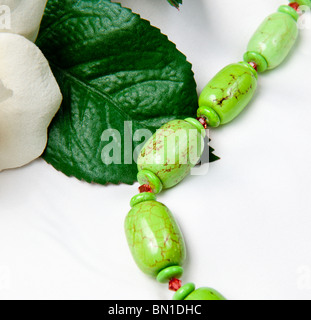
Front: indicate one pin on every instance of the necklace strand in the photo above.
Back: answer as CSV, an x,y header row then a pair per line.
x,y
153,236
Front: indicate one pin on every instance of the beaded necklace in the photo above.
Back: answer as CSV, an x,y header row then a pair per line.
x,y
154,238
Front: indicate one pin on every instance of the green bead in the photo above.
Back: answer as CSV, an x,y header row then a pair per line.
x,y
211,116
289,10
260,61
172,152
141,197
205,294
184,291
303,2
274,38
154,237
229,92
149,178
169,273
198,125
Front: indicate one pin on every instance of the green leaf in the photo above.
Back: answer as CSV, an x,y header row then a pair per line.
x,y
112,67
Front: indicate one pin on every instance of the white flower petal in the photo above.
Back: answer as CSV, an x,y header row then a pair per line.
x,y
29,99
22,17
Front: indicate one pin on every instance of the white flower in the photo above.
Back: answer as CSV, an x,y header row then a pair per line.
x,y
29,99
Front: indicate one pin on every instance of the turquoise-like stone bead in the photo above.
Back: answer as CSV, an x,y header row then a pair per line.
x,y
155,239
229,92
173,151
275,38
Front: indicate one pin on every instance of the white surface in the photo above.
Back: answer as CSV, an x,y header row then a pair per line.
x,y
247,223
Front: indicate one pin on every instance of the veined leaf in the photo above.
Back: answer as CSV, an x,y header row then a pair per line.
x,y
112,66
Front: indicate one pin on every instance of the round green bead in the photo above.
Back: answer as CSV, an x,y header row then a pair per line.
x,y
256,57
169,273
198,125
303,2
172,152
289,10
184,291
145,196
149,178
205,294
154,237
274,38
229,92
211,116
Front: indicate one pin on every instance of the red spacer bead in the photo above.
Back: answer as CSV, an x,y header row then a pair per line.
x,y
175,284
203,122
294,5
145,188
253,65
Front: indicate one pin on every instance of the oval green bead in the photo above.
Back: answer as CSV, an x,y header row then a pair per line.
x,y
172,152
274,38
154,237
229,92
141,197
303,2
289,10
205,294
262,64
169,273
184,291
149,178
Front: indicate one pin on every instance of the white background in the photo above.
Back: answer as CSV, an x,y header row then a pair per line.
x,y
246,223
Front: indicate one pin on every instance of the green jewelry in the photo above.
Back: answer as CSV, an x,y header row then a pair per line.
x,y
154,237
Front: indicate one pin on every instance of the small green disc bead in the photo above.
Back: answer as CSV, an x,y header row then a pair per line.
x,y
154,237
145,196
274,38
169,273
211,116
205,294
289,10
184,291
198,125
172,151
251,56
303,2
229,92
149,178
